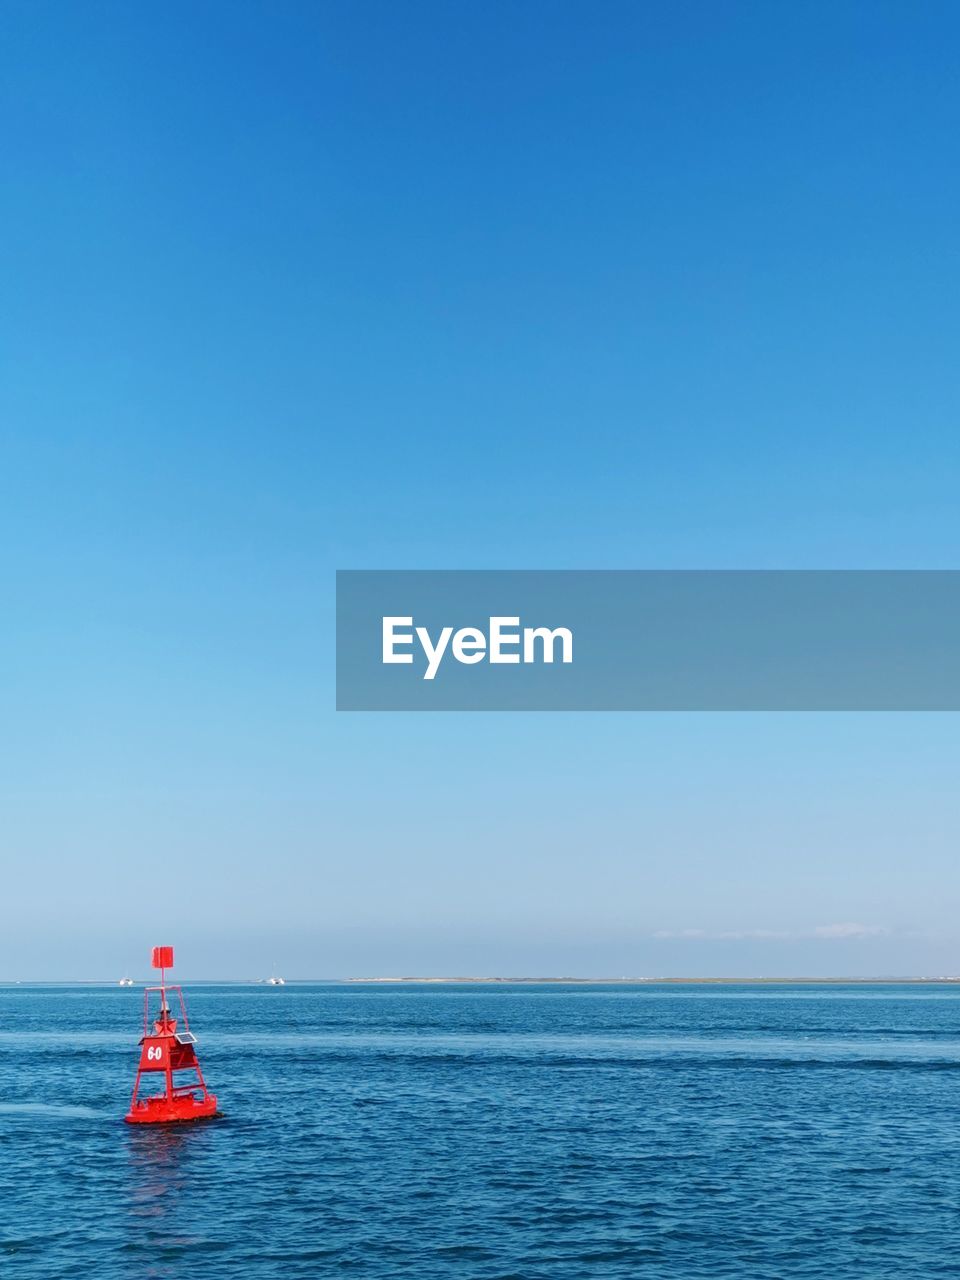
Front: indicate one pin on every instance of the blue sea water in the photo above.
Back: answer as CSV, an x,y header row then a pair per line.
x,y
477,1131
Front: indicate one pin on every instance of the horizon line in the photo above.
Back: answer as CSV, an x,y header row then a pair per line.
x,y
491,980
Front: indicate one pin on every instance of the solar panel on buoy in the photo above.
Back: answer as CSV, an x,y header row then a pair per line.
x,y
168,1048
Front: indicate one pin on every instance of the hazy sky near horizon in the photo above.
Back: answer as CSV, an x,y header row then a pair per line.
x,y
291,288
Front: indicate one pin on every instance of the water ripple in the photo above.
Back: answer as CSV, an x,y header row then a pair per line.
x,y
477,1134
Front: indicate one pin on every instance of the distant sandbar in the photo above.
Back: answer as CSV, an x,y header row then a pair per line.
x,y
664,981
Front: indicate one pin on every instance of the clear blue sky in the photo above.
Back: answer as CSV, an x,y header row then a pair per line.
x,y
288,288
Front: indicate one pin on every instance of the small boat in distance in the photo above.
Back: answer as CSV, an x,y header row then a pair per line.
x,y
125,982
276,982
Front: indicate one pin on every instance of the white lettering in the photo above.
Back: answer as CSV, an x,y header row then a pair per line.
x,y
471,645
391,640
498,638
434,652
532,634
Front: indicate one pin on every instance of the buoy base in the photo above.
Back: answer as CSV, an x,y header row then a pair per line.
x,y
172,1110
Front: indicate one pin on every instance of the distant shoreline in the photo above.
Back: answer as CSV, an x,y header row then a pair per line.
x,y
623,982
139,983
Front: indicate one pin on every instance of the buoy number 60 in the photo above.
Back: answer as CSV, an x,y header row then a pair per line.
x,y
155,1053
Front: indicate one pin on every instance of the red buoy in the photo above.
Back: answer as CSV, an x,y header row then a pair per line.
x,y
168,1045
